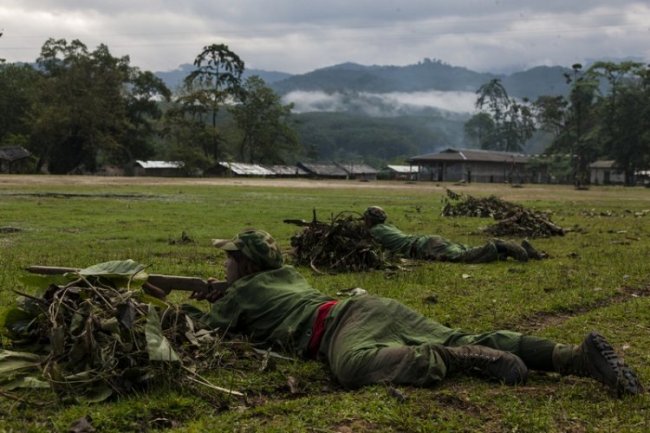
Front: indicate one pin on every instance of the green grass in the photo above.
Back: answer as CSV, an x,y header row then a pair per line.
x,y
597,278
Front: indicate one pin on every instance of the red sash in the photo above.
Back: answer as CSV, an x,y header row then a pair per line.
x,y
318,328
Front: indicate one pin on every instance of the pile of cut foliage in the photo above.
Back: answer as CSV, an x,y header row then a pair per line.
x,y
342,245
513,219
100,335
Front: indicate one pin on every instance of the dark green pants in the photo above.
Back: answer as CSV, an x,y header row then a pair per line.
x,y
441,249
378,340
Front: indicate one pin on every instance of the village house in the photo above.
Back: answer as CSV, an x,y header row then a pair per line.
x,y
286,170
236,169
158,168
358,171
471,165
323,170
605,172
15,159
399,172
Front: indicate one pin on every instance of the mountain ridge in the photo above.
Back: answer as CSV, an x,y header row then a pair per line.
x,y
422,76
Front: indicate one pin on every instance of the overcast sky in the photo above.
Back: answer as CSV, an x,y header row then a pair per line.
x,y
300,36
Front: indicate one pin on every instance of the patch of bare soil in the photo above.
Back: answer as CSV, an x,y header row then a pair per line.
x,y
9,229
543,319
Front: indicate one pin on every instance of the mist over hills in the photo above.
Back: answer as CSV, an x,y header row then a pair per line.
x,y
378,113
426,75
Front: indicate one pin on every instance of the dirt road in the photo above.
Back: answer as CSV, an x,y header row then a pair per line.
x,y
503,191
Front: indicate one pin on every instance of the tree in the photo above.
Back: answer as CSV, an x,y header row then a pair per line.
x,y
513,121
143,101
186,136
78,108
480,130
18,87
90,104
606,115
622,113
572,122
264,123
551,113
583,148
215,81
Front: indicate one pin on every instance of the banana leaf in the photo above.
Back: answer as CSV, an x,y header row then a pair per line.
x,y
158,346
19,323
117,271
12,362
23,382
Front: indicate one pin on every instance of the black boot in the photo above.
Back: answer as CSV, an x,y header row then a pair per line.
x,y
511,249
532,252
596,358
495,364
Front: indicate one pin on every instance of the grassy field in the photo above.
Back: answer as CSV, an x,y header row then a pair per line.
x,y
596,279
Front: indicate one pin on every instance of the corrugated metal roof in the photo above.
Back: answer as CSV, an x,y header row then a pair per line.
x,y
403,169
603,164
286,170
159,164
321,169
244,169
471,155
357,168
13,153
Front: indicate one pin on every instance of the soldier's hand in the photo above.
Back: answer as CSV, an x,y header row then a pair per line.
x,y
216,290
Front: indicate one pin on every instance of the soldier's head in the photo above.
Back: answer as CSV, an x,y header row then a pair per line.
x,y
249,252
374,215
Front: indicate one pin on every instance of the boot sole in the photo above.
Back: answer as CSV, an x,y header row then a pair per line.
x,y
627,382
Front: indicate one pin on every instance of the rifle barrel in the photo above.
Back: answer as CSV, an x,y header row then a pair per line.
x,y
166,283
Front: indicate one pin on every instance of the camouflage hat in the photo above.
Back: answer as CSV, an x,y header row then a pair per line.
x,y
257,245
375,214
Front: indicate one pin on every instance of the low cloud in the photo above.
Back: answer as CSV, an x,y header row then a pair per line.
x,y
382,104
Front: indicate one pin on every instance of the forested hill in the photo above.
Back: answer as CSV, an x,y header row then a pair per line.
x,y
175,77
365,112
353,110
423,76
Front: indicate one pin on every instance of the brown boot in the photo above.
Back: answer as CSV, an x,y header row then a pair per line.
x,y
596,358
531,251
511,249
495,364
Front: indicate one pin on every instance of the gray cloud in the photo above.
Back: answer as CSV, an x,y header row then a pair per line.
x,y
299,36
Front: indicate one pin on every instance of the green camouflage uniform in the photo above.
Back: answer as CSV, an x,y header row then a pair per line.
x,y
278,307
429,247
366,339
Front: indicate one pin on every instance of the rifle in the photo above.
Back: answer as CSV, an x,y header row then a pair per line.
x,y
156,283
297,222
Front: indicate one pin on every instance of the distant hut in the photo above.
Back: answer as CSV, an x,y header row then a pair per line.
x,y
286,170
323,170
15,159
237,169
358,171
158,168
605,172
399,172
